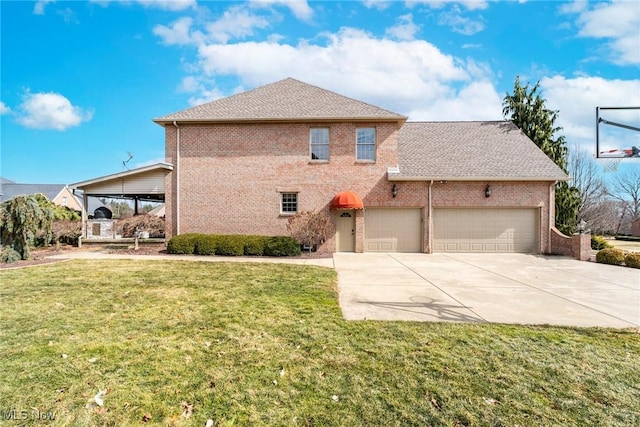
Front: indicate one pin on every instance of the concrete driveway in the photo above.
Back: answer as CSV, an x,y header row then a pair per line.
x,y
496,288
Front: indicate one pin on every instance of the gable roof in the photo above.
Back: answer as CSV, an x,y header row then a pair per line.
x,y
119,175
9,190
285,100
471,151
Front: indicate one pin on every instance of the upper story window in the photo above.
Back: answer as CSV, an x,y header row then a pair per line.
x,y
366,144
288,203
319,142
64,201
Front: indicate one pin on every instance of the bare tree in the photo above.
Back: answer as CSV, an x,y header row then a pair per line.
x,y
309,228
626,188
587,177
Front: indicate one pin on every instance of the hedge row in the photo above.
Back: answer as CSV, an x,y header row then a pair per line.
x,y
615,256
233,245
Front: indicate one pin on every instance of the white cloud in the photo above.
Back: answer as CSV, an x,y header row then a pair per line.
x,y
409,77
377,4
299,8
616,22
39,7
236,22
171,5
4,109
50,111
477,101
459,23
576,100
405,29
438,4
178,33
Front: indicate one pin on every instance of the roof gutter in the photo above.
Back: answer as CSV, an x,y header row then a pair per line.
x,y
392,177
399,119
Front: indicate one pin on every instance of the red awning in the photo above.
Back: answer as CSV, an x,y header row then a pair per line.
x,y
346,200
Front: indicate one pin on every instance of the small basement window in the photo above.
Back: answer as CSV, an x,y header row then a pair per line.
x,y
288,203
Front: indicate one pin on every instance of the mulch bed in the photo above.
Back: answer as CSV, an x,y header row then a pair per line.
x,y
40,256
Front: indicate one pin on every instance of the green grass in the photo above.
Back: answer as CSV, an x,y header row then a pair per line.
x,y
265,344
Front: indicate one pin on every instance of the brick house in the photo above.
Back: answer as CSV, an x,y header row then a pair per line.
x,y
244,164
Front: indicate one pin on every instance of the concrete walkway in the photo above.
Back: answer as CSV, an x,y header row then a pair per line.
x,y
503,288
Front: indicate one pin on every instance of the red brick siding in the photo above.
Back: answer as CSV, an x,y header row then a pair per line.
x,y
503,194
230,176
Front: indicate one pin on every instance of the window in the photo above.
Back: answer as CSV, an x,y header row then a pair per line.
x,y
319,141
64,201
288,203
366,144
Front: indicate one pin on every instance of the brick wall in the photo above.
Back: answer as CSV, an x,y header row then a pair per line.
x,y
577,246
503,194
231,175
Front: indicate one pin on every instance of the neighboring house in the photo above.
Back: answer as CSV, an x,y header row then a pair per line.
x,y
60,194
245,164
157,211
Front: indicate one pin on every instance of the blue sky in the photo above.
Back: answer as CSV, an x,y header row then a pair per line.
x,y
82,80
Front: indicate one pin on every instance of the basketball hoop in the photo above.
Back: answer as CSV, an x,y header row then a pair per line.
x,y
617,145
610,164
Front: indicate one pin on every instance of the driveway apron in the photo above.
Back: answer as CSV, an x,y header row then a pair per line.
x,y
496,288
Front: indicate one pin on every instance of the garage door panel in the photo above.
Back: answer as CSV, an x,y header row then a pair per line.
x,y
393,230
486,230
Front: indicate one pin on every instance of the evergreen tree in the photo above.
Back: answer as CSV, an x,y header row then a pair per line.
x,y
527,109
21,218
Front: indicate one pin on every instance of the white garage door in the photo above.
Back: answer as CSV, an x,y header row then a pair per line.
x,y
393,230
486,230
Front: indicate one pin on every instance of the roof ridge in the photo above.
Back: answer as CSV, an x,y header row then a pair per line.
x,y
286,99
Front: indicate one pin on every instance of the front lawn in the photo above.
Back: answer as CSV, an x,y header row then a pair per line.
x,y
178,343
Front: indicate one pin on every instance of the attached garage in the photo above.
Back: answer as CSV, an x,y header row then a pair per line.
x,y
486,230
393,230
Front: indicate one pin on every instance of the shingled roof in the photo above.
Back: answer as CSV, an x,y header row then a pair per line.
x,y
457,151
10,189
285,100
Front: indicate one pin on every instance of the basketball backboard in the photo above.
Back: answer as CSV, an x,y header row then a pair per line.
x,y
617,132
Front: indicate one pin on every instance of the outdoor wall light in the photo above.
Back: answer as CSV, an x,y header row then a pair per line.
x,y
394,191
487,191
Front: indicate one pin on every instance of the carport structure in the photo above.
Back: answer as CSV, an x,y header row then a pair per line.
x,y
146,183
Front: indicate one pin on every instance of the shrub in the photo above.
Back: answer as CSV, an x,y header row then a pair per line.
x,y
9,255
310,228
66,231
598,243
128,227
230,245
21,220
281,246
610,256
632,260
254,245
206,244
183,244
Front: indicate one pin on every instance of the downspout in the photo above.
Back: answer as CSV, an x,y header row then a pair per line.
x,y
551,209
430,222
177,172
